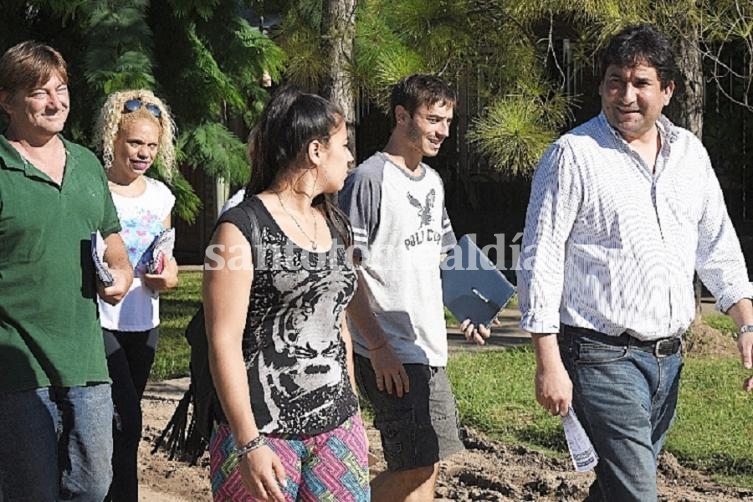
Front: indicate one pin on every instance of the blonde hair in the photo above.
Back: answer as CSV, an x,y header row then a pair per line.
x,y
112,118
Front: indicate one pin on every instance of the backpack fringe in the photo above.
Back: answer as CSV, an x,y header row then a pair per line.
x,y
180,437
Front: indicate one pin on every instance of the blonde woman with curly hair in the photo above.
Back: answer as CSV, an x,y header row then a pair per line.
x,y
134,131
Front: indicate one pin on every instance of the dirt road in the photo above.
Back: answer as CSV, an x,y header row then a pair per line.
x,y
487,470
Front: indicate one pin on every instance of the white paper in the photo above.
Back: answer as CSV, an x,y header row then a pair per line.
x,y
98,248
581,450
163,245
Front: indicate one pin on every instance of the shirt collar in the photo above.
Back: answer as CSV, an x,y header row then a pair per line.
x,y
10,158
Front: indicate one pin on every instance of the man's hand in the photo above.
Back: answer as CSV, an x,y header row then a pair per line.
x,y
389,370
121,283
116,258
742,313
745,346
554,389
474,333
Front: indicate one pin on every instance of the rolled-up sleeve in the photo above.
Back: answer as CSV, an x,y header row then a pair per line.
x,y
556,195
719,259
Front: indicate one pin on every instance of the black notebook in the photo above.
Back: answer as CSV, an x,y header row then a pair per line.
x,y
472,287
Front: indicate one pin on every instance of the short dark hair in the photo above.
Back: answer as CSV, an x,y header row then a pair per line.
x,y
28,65
420,89
641,43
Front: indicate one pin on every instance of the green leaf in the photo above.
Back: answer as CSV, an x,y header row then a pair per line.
x,y
217,151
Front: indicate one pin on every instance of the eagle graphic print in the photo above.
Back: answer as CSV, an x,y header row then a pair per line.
x,y
424,210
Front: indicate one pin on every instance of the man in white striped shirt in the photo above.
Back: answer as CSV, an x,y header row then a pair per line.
x,y
623,210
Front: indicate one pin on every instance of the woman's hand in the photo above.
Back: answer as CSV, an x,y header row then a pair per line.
x,y
263,474
168,279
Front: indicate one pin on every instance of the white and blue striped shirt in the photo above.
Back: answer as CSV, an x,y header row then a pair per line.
x,y
610,246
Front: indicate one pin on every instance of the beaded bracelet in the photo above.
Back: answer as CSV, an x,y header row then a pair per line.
x,y
255,443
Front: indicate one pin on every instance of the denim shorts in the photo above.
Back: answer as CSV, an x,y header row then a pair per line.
x,y
419,428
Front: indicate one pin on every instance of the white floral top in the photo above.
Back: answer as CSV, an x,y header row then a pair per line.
x,y
141,218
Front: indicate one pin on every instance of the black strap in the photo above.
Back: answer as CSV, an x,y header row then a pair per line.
x,y
255,238
186,438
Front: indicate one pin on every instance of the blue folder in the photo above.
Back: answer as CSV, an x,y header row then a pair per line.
x,y
472,287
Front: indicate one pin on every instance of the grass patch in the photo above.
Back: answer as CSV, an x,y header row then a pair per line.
x,y
449,319
715,420
495,394
721,322
177,306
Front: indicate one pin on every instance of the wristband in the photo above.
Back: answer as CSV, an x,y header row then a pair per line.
x,y
745,328
255,443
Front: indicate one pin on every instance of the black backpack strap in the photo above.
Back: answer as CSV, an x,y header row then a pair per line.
x,y
255,238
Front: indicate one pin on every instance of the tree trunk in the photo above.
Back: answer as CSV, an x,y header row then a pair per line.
x,y
339,27
686,108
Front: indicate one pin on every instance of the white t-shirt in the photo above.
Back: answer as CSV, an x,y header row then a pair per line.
x,y
141,218
400,230
233,201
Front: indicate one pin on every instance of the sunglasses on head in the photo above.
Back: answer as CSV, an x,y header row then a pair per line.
x,y
134,104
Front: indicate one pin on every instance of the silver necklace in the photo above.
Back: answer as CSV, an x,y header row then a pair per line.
x,y
312,241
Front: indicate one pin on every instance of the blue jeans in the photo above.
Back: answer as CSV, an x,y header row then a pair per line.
x,y
56,444
626,399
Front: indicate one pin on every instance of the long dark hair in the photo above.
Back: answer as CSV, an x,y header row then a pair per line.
x,y
291,120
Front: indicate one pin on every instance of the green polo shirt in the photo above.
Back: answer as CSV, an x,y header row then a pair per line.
x,y
49,327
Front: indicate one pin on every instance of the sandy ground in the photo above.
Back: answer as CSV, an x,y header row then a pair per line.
x,y
487,470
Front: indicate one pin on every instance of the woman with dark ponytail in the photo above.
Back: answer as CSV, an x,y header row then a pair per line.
x,y
276,282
